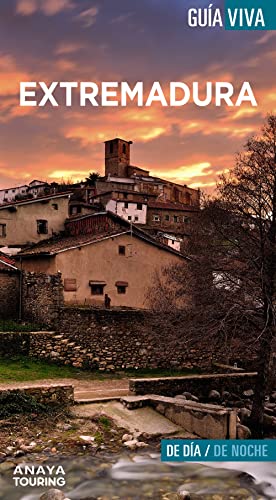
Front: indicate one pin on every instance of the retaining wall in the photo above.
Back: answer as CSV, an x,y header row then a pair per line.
x,y
200,385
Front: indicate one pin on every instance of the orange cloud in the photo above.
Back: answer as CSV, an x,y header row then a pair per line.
x,y
47,7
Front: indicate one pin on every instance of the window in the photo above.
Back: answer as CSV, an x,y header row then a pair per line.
x,y
187,220
136,218
124,149
129,218
42,226
55,206
126,204
3,230
139,206
97,289
156,218
122,250
167,218
75,210
111,148
70,285
175,218
121,287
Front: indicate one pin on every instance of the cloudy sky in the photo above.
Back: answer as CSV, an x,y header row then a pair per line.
x,y
117,40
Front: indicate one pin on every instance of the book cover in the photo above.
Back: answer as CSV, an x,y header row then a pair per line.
x,y
137,250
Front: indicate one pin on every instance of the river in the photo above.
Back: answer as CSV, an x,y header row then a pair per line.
x,y
144,476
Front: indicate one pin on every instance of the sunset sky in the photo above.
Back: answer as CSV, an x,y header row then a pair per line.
x,y
125,40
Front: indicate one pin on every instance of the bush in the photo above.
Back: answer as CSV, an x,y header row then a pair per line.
x,y
16,402
13,326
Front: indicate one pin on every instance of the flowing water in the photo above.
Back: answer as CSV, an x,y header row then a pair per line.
x,y
144,476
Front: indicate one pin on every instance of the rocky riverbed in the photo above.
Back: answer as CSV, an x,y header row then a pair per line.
x,y
141,476
243,405
102,461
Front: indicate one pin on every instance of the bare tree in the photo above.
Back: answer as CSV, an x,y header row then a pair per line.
x,y
231,277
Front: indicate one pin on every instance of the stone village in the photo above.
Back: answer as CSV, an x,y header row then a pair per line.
x,y
79,260
105,239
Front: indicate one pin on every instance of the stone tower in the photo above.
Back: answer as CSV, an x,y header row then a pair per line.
x,y
117,157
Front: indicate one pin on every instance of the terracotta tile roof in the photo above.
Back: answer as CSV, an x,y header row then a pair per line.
x,y
35,200
6,262
62,243
58,244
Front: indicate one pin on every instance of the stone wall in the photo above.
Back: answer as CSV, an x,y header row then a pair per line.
x,y
122,339
13,344
9,294
207,421
200,385
42,298
56,395
110,340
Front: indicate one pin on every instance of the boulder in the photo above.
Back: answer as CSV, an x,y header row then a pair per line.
x,y
87,439
244,414
248,394
214,395
271,406
269,421
187,395
131,444
127,437
183,495
226,395
180,396
53,495
141,444
243,432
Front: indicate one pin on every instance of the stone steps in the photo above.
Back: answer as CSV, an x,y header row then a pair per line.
x,y
96,400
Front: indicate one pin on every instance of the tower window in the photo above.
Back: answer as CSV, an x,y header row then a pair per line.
x,y
124,149
122,250
139,206
111,148
42,226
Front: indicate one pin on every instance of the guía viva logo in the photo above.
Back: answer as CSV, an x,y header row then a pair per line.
x,y
236,15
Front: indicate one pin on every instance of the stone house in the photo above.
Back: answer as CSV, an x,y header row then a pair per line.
x,y
30,221
120,174
131,206
102,254
171,216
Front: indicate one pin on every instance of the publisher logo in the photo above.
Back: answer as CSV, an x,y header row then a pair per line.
x,y
237,15
250,15
39,476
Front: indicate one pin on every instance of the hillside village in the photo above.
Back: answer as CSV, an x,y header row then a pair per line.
x,y
107,236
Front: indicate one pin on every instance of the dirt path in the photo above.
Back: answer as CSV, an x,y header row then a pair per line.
x,y
84,389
